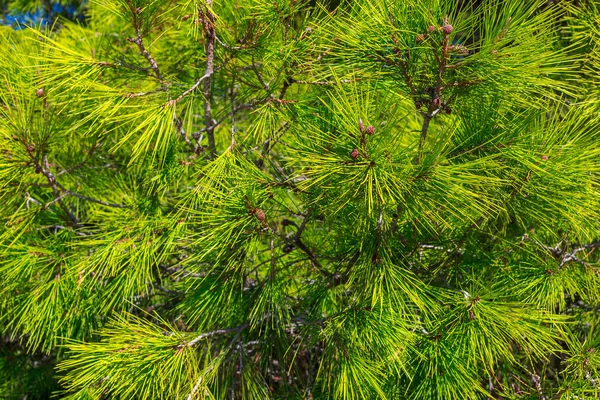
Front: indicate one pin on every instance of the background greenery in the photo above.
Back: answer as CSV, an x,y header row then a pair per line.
x,y
300,200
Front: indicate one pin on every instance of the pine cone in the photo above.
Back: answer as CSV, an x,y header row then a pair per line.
x,y
447,29
259,214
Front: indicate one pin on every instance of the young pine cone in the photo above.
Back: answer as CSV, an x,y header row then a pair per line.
x,y
447,29
259,214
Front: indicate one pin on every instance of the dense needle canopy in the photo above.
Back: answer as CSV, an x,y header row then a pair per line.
x,y
291,199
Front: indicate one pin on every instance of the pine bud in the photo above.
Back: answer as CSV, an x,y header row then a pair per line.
x,y
40,92
370,130
361,125
431,29
545,157
447,29
420,38
354,154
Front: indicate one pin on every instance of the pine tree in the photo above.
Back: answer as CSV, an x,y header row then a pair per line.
x,y
292,199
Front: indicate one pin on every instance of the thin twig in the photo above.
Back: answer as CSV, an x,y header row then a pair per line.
x,y
138,40
232,113
217,332
304,248
190,90
254,68
324,83
82,163
45,170
181,131
92,200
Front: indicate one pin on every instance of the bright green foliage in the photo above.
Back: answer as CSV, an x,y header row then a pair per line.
x,y
252,199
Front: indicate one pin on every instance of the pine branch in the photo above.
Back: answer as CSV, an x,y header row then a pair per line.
x,y
60,192
564,256
179,125
207,75
232,114
90,154
44,169
436,92
139,41
297,242
326,83
208,22
144,52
